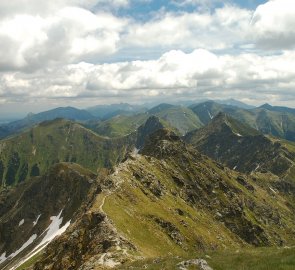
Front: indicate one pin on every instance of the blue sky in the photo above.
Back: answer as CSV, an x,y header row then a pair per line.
x,y
141,10
83,53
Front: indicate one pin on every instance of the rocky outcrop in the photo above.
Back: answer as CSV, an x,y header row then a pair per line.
x,y
43,204
151,125
91,242
201,263
240,147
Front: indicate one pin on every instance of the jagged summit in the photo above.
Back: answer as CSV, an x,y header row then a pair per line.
x,y
152,124
239,146
223,124
236,127
161,143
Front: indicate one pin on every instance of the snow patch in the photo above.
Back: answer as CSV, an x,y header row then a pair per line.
x,y
21,222
135,151
34,151
238,134
52,231
3,257
235,167
257,167
36,221
25,245
211,117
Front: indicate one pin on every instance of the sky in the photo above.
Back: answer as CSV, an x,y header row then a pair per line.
x,y
84,53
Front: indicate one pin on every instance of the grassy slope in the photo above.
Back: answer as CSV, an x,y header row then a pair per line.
x,y
132,207
180,119
245,259
33,152
280,124
120,125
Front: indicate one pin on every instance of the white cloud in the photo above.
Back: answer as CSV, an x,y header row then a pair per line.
x,y
175,74
274,24
54,50
70,34
219,30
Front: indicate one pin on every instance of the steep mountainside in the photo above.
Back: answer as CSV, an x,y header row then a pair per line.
x,y
33,152
118,126
277,108
240,147
182,119
209,109
33,213
279,123
33,119
144,131
178,118
170,199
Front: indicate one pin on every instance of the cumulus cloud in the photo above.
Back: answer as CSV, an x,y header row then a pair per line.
x,y
60,49
273,24
220,30
174,74
67,32
70,34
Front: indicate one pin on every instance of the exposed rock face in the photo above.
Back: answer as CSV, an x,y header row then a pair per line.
x,y
170,230
162,143
201,263
27,210
151,125
240,147
92,241
166,198
218,190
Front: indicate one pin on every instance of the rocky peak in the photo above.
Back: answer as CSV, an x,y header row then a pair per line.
x,y
266,106
152,124
161,143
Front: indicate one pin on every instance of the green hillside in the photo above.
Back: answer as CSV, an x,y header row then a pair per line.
x,y
180,119
33,152
241,147
169,201
280,123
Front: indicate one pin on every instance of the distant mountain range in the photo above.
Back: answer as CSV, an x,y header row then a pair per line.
x,y
109,111
241,147
120,119
33,119
150,188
